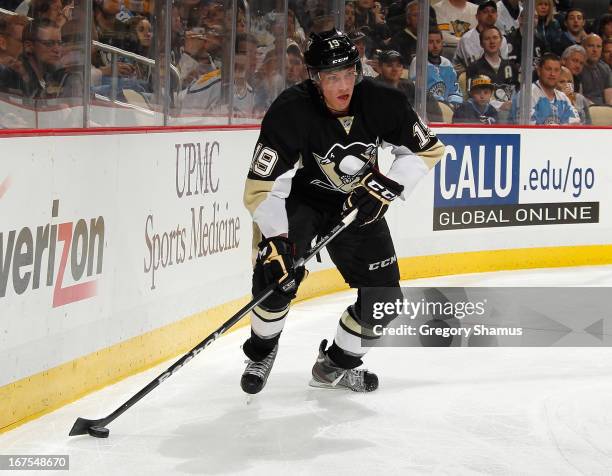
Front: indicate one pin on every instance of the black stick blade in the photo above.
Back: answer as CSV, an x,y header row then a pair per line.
x,y
82,425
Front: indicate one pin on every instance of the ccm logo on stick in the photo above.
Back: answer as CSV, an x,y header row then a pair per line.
x,y
382,264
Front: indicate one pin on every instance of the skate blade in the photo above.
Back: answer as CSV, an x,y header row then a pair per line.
x,y
317,384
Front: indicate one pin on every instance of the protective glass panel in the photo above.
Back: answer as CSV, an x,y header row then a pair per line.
x,y
128,45
202,52
41,64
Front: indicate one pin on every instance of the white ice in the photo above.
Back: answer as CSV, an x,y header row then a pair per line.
x,y
450,411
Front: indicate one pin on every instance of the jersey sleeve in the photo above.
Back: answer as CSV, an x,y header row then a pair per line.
x,y
414,145
275,162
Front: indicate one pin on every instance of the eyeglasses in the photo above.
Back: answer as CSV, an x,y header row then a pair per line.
x,y
50,43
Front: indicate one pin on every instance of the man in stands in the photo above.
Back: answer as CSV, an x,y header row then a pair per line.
x,y
549,106
441,76
574,31
596,77
359,39
607,52
405,40
42,48
12,70
391,67
455,18
504,74
469,48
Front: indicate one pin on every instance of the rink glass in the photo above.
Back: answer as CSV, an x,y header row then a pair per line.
x,y
200,69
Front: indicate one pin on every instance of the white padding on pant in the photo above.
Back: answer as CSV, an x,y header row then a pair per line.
x,y
266,329
349,342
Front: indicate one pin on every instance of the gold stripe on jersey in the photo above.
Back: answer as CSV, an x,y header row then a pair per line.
x,y
432,156
255,192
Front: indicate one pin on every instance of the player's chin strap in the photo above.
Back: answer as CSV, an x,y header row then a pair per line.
x,y
97,428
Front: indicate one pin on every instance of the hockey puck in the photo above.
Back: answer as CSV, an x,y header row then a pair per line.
x,y
98,431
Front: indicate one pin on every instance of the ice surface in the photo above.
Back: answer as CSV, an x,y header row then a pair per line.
x,y
448,411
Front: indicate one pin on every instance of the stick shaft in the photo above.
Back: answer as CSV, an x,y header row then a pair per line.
x,y
226,325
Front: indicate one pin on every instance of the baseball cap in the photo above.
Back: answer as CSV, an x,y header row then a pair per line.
x,y
489,3
356,35
481,81
388,56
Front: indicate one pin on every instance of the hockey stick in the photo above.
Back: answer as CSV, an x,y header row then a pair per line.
x,y
98,428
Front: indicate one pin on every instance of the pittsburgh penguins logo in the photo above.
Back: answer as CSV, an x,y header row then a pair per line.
x,y
460,28
343,166
438,89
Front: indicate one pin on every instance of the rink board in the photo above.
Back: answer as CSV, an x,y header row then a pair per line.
x,y
119,250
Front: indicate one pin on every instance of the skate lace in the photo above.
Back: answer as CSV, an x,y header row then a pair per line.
x,y
353,377
260,369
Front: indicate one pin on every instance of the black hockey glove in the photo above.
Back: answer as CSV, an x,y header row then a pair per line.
x,y
275,261
372,197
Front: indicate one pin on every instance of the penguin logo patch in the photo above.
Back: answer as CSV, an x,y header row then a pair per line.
x,y
343,166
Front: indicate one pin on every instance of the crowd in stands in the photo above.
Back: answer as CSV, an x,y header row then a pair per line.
x,y
473,70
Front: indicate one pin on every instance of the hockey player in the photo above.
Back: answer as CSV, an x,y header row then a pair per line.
x,y
317,156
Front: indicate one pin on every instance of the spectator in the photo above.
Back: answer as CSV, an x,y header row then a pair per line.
x,y
596,78
12,70
244,95
405,40
508,12
189,13
372,23
607,52
477,109
139,42
547,29
548,105
396,16
455,18
515,43
141,36
503,74
469,48
215,35
359,39
206,93
108,29
269,83
248,43
574,59
441,76
349,17
566,85
42,54
391,68
195,60
296,72
574,31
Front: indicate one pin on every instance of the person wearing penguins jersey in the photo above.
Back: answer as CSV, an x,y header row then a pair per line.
x,y
315,159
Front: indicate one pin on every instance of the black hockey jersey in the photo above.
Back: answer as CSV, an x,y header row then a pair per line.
x,y
303,149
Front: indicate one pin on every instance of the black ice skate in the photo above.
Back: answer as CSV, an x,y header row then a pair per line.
x,y
255,375
326,374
